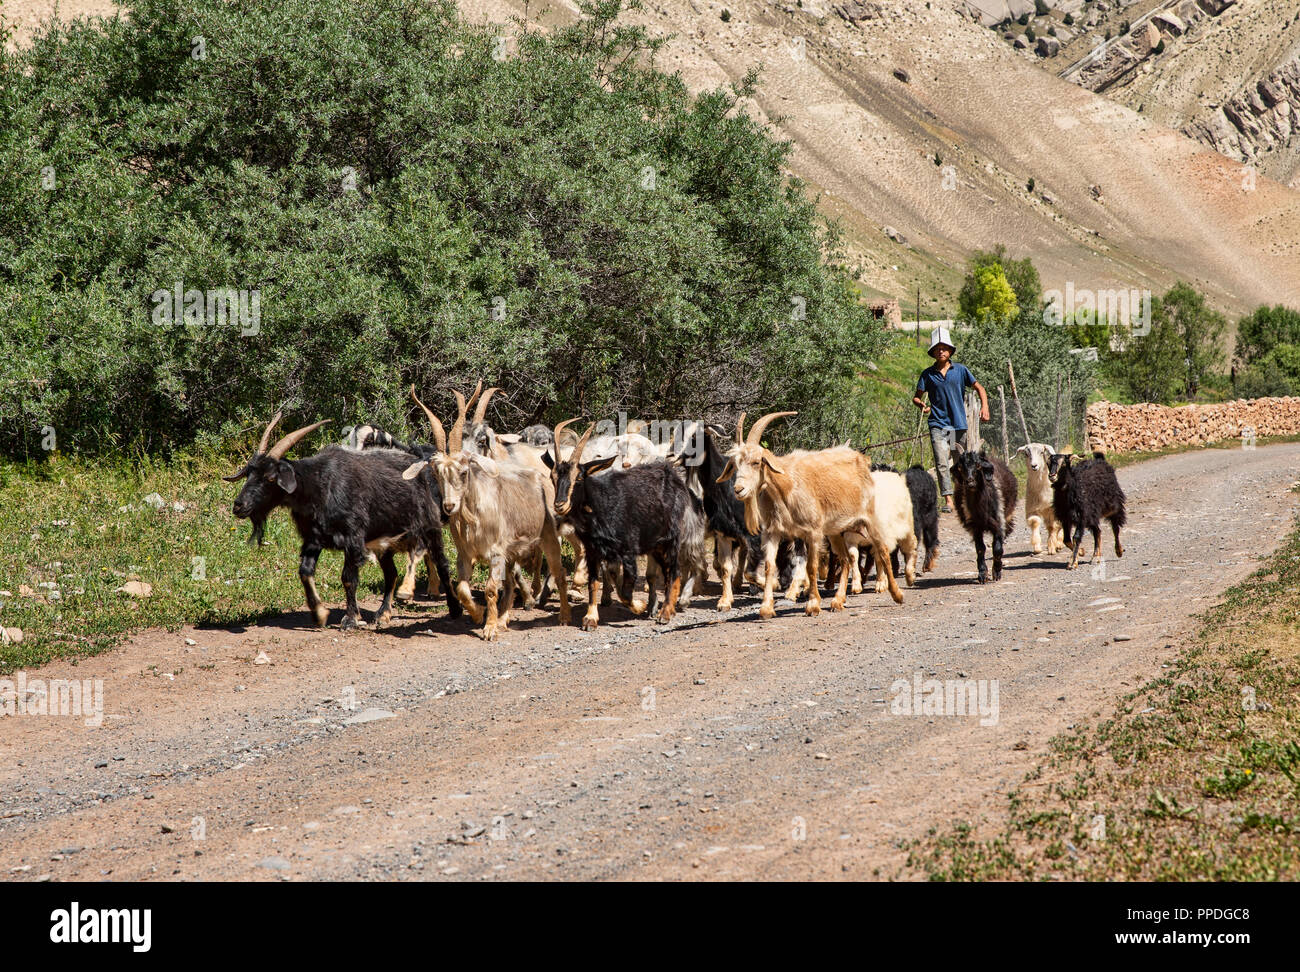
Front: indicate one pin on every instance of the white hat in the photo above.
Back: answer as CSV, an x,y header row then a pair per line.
x,y
940,336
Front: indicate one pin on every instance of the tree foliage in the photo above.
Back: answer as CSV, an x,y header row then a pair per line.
x,y
414,199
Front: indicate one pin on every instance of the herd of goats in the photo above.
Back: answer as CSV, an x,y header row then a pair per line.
x,y
509,499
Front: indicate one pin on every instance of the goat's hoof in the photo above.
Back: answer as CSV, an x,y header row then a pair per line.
x,y
724,605
348,623
837,604
1119,550
589,624
767,612
813,609
321,617
664,618
381,620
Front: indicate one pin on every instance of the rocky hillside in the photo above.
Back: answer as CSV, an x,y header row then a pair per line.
x,y
1225,72
928,136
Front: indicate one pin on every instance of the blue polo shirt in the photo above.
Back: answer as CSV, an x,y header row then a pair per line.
x,y
947,402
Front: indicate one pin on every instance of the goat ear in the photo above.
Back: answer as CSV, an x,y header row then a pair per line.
x,y
283,474
488,465
597,465
413,470
548,459
727,471
235,477
509,438
1023,450
767,461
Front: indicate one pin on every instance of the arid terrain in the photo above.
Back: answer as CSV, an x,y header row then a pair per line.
x,y
717,747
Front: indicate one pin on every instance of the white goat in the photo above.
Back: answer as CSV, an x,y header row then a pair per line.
x,y
499,512
1039,512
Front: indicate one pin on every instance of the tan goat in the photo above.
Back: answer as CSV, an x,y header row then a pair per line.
x,y
804,496
500,513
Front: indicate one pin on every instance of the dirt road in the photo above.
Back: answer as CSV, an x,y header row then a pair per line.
x,y
720,747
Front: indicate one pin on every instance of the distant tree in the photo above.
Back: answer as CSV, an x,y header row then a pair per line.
x,y
1040,8
1150,365
1200,332
1021,276
1260,331
987,295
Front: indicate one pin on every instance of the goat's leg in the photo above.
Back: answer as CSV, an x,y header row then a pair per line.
x,y
768,608
1034,523
307,574
431,576
798,574
435,559
627,588
848,557
1096,543
464,593
907,547
1056,542
672,584
980,565
579,563
814,606
594,574
507,598
1119,547
407,589
555,562
727,551
1074,546
496,574
389,568
652,576
997,556
353,558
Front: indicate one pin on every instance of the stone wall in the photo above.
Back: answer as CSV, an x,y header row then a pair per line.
x,y
1147,428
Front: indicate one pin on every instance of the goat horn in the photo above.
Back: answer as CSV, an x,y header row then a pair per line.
x,y
278,450
555,437
481,411
457,437
756,431
474,397
740,429
266,436
439,436
582,443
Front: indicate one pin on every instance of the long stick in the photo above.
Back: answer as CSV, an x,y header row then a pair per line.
x,y
1016,395
1006,446
1056,433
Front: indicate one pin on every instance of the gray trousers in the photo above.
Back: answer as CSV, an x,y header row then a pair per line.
x,y
943,440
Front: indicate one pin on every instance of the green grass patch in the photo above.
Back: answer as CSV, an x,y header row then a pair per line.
x,y
72,532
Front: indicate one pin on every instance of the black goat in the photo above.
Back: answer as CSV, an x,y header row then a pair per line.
x,y
985,498
620,516
1082,496
925,514
356,502
736,546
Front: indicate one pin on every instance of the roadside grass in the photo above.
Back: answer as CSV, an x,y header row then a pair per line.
x,y
72,532
1196,776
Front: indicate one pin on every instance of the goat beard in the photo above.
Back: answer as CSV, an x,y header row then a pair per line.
x,y
751,515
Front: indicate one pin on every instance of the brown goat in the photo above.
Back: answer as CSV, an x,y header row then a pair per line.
x,y
804,496
499,512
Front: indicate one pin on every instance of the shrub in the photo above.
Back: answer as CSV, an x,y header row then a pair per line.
x,y
412,207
